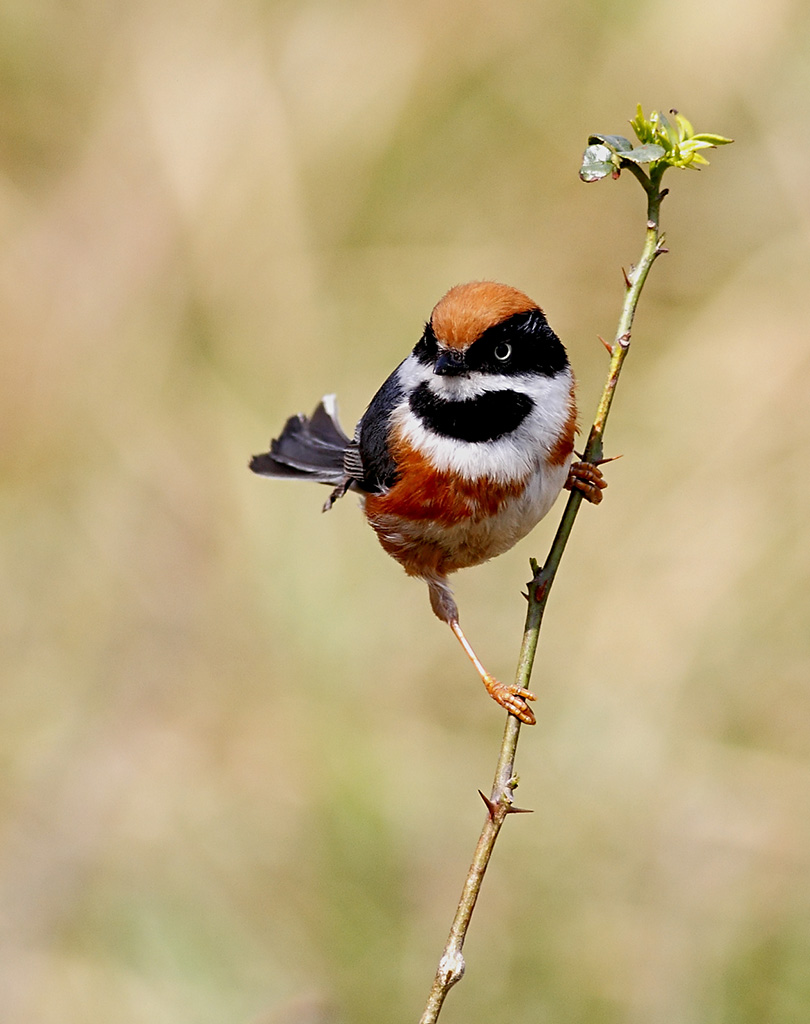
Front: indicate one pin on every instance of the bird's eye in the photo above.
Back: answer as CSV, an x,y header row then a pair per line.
x,y
502,351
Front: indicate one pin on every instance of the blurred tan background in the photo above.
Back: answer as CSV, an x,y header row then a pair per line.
x,y
239,755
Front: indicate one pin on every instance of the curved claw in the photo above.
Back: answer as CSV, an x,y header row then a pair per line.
x,y
586,478
512,698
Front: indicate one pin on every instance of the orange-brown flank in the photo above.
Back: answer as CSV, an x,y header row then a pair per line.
x,y
564,445
422,494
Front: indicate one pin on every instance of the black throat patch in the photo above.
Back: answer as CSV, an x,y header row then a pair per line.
x,y
485,418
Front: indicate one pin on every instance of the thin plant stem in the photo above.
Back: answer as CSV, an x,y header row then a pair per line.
x,y
500,802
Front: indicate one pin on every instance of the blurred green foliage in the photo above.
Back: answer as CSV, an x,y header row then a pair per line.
x,y
239,754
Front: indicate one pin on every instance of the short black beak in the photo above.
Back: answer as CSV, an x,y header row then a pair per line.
x,y
450,363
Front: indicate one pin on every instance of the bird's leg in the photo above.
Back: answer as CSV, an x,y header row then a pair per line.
x,y
513,698
587,478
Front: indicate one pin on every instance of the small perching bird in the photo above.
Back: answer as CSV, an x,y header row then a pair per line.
x,y
461,452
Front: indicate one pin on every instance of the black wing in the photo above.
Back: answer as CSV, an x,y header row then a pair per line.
x,y
369,452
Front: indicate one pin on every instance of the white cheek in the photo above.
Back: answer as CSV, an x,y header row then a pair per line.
x,y
412,373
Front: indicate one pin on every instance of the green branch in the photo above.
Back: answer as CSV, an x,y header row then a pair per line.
x,y
662,146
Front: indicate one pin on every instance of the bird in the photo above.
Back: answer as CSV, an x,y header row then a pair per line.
x,y
460,453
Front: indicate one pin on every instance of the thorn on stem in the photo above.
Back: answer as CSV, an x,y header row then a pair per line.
x,y
627,281
519,810
491,807
608,346
597,462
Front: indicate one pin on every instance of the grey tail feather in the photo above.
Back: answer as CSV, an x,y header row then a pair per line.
x,y
308,448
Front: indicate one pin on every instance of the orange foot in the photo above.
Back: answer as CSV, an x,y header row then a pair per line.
x,y
512,698
587,478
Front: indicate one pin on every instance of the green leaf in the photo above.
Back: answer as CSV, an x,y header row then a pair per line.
x,y
645,154
672,134
712,140
685,129
597,163
641,126
618,143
